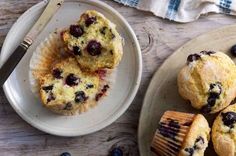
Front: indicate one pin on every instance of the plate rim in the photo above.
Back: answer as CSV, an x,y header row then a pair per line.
x,y
150,90
128,101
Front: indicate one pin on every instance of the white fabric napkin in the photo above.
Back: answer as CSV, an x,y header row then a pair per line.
x,y
183,10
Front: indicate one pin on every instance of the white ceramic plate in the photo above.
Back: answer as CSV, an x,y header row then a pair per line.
x,y
17,88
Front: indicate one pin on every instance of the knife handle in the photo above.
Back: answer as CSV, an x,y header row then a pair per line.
x,y
12,61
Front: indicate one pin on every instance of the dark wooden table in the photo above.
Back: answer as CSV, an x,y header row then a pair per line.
x,y
158,39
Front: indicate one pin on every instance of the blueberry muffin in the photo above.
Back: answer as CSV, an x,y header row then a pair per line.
x,y
224,132
67,90
181,134
94,41
208,81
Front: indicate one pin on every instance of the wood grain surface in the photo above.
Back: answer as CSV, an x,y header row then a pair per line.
x,y
158,39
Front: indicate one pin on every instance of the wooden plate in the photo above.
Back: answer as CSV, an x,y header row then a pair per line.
x,y
162,93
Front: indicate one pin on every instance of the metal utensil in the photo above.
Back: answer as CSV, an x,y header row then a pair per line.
x,y
19,52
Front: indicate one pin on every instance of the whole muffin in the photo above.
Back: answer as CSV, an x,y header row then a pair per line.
x,y
224,132
67,90
181,134
208,81
94,41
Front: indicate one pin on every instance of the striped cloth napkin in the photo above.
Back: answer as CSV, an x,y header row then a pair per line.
x,y
183,10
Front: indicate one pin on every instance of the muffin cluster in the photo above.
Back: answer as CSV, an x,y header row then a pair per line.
x,y
74,71
208,81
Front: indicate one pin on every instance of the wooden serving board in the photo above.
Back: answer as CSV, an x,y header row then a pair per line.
x,y
162,93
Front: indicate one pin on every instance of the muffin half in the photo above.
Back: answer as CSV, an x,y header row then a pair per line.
x,y
67,90
94,41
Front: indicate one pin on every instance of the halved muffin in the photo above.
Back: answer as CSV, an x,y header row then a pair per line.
x,y
67,90
94,41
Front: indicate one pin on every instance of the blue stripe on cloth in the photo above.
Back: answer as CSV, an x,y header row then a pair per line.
x,y
225,6
172,9
131,3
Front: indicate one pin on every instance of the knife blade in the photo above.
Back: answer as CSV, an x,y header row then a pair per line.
x,y
15,57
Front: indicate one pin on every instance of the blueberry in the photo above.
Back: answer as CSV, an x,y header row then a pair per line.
x,y
193,57
111,52
47,88
233,50
116,152
103,30
112,35
199,140
217,86
229,118
65,154
72,80
207,52
190,151
80,97
206,108
168,131
50,97
57,73
76,30
173,123
90,20
212,99
68,106
94,48
77,50
89,86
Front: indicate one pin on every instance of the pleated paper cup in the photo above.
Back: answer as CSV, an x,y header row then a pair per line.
x,y
172,130
49,51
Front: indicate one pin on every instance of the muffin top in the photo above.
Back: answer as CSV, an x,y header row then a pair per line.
x,y
208,81
67,89
94,41
223,132
197,138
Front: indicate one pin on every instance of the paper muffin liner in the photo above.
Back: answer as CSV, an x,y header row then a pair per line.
x,y
51,51
172,130
46,54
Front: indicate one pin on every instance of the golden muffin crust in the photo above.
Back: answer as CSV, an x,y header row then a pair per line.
x,y
197,138
67,90
224,132
208,81
94,41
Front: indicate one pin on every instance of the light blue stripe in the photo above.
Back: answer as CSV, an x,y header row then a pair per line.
x,y
131,3
172,9
225,6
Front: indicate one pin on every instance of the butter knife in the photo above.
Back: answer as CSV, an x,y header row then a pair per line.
x,y
15,57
